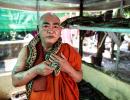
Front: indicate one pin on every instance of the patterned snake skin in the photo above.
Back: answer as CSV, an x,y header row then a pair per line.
x,y
32,57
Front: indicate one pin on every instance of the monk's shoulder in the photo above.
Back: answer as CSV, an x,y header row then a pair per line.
x,y
67,47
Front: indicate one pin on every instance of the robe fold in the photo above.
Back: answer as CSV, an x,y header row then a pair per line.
x,y
62,86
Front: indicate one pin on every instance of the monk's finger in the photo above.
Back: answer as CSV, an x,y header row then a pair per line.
x,y
62,55
47,62
51,60
56,58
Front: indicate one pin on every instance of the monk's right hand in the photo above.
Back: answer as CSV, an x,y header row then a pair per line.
x,y
44,69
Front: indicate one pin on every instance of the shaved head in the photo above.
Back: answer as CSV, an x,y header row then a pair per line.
x,y
50,16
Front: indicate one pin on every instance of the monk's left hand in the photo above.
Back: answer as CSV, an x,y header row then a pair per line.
x,y
64,64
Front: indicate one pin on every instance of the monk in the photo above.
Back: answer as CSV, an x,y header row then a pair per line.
x,y
49,68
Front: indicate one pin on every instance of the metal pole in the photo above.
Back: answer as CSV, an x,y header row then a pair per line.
x,y
81,32
38,16
103,29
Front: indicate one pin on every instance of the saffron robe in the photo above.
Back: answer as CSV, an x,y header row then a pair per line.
x,y
62,86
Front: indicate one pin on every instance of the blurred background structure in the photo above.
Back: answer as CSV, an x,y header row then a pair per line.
x,y
98,29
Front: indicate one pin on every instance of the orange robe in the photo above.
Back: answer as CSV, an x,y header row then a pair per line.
x,y
61,87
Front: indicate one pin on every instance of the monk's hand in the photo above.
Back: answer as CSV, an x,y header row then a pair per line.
x,y
62,61
44,69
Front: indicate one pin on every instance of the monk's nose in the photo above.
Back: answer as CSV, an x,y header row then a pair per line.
x,y
50,31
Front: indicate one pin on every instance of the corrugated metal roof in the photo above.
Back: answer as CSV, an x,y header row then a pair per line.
x,y
89,5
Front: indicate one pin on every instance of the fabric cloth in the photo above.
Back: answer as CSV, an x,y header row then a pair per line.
x,y
62,86
37,83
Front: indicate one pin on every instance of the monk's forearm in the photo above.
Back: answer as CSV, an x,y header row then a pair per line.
x,y
22,78
76,75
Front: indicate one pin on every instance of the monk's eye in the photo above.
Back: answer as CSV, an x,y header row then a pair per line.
x,y
56,26
45,26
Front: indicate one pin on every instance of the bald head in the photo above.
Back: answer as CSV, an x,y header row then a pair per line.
x,y
50,16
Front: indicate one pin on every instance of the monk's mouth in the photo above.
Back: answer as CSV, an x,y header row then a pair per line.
x,y
50,37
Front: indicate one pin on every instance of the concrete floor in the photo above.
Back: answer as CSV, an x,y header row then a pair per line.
x,y
6,87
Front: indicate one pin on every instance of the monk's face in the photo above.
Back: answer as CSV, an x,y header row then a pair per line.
x,y
50,29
